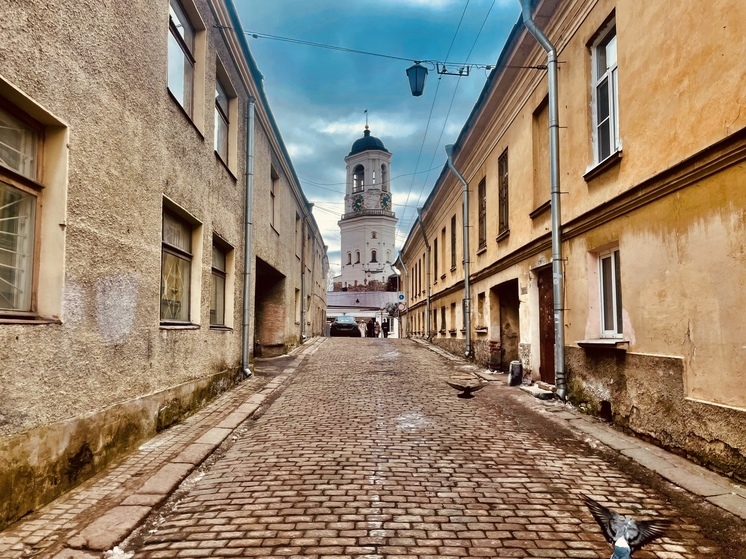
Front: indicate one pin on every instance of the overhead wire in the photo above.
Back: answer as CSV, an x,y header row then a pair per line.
x,y
430,115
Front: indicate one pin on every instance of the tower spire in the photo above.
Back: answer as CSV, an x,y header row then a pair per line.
x,y
365,112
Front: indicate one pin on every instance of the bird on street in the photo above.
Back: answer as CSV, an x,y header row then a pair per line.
x,y
467,390
626,534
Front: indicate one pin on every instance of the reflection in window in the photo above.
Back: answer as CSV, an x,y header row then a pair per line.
x,y
17,224
221,121
181,56
217,286
175,268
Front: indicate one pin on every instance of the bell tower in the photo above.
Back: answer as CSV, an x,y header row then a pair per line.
x,y
368,226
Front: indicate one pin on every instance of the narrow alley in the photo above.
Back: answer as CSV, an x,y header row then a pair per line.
x,y
360,448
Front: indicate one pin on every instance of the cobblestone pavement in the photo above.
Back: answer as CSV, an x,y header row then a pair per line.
x,y
174,452
367,452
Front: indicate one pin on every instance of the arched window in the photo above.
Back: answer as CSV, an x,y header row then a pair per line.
x,y
384,178
349,258
357,257
358,179
388,256
373,235
374,179
373,256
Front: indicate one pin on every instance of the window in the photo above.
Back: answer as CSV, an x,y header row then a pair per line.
x,y
373,256
453,317
443,319
358,179
502,171
181,57
217,284
435,259
373,235
610,290
357,257
605,94
384,179
480,309
274,187
453,243
349,258
482,195
540,130
176,264
443,248
19,152
298,236
221,121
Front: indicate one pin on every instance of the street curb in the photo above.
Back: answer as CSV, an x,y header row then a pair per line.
x,y
714,488
124,517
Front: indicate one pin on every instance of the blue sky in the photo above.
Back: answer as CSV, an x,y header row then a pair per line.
x,y
319,95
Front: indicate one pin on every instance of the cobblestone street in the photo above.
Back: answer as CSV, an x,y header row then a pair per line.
x,y
367,452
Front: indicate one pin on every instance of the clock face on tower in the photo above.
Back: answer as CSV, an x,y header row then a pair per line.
x,y
357,203
386,201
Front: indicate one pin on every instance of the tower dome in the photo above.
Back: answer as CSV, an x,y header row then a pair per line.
x,y
366,143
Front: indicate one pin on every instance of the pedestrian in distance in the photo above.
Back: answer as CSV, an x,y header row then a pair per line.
x,y
370,329
385,328
377,329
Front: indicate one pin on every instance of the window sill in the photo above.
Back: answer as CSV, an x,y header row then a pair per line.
x,y
220,328
452,332
603,166
605,343
453,269
186,114
502,236
442,332
226,166
443,276
178,326
481,330
482,249
30,320
273,229
545,207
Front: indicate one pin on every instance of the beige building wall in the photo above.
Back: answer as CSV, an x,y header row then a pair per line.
x,y
669,200
93,372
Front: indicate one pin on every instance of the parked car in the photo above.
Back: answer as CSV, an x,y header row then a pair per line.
x,y
345,326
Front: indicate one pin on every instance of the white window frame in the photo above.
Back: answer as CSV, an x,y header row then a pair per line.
x,y
610,294
605,90
225,271
181,56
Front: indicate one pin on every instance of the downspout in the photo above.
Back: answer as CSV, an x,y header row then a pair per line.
x,y
427,275
558,281
467,286
399,263
248,256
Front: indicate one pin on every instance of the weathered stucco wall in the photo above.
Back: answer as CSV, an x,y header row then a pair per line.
x,y
670,200
129,147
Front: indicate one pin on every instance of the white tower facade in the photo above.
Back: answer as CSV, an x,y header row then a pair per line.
x,y
368,226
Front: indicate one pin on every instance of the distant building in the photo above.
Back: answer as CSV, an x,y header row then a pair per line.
x,y
126,133
368,226
652,167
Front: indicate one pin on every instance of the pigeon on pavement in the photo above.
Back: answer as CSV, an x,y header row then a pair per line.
x,y
625,533
466,389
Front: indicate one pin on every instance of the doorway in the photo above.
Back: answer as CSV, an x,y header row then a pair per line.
x,y
546,324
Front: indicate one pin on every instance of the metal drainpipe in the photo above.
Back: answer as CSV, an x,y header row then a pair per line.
x,y
467,286
558,280
248,257
406,293
427,276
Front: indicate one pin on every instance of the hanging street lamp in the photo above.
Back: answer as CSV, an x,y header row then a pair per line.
x,y
417,75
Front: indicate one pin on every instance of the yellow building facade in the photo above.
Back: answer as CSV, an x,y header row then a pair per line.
x,y
652,166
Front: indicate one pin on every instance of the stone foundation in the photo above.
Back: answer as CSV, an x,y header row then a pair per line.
x,y
38,466
645,395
